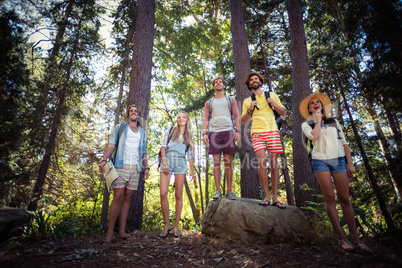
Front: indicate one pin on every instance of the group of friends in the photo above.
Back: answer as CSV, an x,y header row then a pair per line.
x,y
331,157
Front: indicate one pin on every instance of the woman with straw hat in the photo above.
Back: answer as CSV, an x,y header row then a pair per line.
x,y
332,163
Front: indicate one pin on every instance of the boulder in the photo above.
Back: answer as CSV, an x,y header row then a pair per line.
x,y
244,220
11,218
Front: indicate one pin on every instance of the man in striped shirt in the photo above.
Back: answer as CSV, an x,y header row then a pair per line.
x,y
264,134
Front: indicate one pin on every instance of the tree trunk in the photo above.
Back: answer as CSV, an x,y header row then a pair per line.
x,y
385,150
140,89
249,164
190,198
369,171
51,144
303,176
48,79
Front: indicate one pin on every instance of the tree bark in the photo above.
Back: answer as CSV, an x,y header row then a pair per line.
x,y
249,164
303,176
140,90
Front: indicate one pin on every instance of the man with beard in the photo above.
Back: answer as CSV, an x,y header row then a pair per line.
x,y
264,134
219,114
130,158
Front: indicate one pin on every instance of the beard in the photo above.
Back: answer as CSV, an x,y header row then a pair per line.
x,y
256,86
134,119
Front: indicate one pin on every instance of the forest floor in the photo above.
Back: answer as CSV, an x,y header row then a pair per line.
x,y
194,249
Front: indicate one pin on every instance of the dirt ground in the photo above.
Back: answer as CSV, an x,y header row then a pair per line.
x,y
194,249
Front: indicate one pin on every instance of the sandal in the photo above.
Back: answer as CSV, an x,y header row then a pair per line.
x,y
346,245
164,233
177,233
278,205
106,242
362,247
265,203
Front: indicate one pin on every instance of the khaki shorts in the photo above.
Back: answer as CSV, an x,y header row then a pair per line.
x,y
128,177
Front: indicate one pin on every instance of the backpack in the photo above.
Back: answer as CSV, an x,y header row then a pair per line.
x,y
278,118
167,143
229,99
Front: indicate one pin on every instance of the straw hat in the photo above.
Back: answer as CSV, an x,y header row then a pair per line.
x,y
326,103
251,74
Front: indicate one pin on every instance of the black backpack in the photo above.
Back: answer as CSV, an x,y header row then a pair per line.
x,y
278,118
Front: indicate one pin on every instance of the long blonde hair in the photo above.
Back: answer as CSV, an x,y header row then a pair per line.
x,y
187,137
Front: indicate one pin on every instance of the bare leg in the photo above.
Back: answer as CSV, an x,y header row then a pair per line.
x,y
274,176
324,178
217,171
115,207
179,182
342,188
164,190
227,161
262,172
124,213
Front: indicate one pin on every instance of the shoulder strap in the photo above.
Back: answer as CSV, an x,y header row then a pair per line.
x,y
169,135
267,96
210,107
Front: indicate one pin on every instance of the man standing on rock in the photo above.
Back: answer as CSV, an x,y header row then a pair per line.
x,y
220,113
130,158
264,133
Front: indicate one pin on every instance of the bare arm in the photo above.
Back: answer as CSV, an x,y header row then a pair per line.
x,y
205,122
145,165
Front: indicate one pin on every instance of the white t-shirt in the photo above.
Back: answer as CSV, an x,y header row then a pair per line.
x,y
132,148
221,118
329,144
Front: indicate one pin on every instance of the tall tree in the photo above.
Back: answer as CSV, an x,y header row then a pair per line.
x,y
140,89
249,173
67,90
303,175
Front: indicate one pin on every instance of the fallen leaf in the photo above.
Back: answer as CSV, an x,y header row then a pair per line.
x,y
120,254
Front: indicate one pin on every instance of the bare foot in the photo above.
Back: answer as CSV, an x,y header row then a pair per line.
x,y
362,247
346,245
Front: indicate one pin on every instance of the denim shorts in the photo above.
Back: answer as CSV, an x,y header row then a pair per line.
x,y
334,165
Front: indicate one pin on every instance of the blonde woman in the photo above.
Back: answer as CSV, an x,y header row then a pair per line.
x,y
332,164
176,143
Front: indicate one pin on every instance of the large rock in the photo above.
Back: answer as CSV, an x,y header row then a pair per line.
x,y
10,218
244,220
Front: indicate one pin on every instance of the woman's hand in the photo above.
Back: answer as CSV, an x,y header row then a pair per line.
x,y
317,116
351,170
165,167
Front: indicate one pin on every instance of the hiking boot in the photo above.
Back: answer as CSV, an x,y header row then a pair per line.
x,y
217,195
231,196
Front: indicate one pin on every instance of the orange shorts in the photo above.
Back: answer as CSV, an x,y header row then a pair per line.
x,y
270,141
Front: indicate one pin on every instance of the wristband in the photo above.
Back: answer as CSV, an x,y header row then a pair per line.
x,y
102,161
147,168
204,134
248,111
237,131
